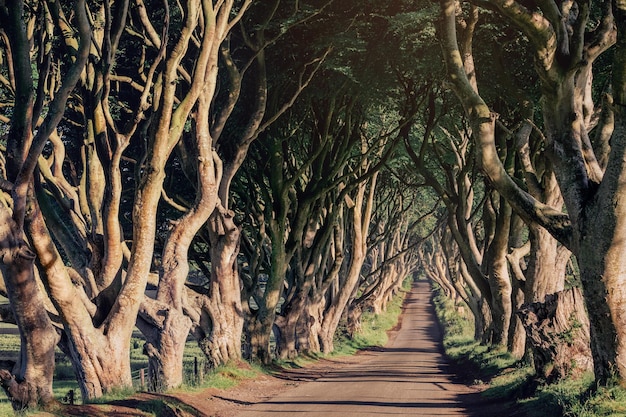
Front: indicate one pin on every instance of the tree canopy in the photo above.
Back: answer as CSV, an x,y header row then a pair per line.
x,y
256,174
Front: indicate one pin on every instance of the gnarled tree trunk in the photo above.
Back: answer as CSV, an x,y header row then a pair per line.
x,y
29,383
219,329
558,331
361,215
593,227
498,273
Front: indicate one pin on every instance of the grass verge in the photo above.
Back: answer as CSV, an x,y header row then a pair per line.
x,y
510,379
374,327
225,376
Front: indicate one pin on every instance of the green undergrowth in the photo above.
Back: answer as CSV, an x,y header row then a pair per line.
x,y
577,398
374,332
225,376
374,327
514,380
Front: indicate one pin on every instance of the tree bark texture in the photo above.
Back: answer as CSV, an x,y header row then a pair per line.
x,y
593,227
498,272
29,383
558,334
361,213
221,333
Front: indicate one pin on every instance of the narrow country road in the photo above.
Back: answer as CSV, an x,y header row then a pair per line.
x,y
406,378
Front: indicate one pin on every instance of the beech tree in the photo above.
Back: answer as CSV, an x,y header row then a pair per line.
x,y
443,161
360,207
22,219
566,40
400,219
82,183
291,198
165,321
239,114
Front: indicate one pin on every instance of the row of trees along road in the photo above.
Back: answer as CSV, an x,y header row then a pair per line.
x,y
527,158
272,168
226,154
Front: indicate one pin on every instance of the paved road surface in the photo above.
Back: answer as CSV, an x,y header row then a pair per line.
x,y
406,378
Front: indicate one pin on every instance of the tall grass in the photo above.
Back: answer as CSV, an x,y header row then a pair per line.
x,y
577,398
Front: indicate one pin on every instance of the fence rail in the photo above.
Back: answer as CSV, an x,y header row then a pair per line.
x,y
193,374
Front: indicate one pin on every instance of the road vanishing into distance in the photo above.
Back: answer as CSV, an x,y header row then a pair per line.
x,y
408,377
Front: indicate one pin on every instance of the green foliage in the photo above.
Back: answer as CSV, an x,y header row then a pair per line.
x,y
568,335
577,398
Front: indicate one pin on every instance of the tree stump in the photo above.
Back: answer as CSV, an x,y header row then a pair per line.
x,y
558,334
